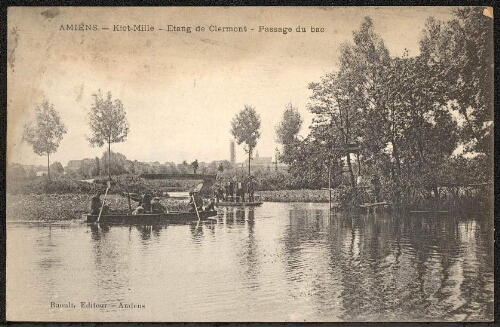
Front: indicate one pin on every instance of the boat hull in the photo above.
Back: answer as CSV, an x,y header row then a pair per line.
x,y
239,204
149,218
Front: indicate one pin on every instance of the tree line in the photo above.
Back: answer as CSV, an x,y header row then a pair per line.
x,y
400,118
108,123
107,120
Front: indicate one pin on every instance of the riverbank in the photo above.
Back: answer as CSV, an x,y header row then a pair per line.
x,y
55,207
317,196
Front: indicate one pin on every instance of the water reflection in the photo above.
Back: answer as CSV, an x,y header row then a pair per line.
x,y
390,265
250,257
146,231
291,262
196,232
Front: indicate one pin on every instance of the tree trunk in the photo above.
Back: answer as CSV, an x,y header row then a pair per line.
x,y
395,155
351,173
359,165
249,158
436,196
48,166
109,158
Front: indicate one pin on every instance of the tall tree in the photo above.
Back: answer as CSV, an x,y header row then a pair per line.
x,y
460,52
287,132
338,115
245,129
108,122
362,67
422,126
45,134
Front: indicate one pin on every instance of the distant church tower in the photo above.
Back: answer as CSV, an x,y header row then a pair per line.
x,y
232,152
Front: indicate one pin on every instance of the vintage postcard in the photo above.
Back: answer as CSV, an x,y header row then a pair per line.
x,y
212,164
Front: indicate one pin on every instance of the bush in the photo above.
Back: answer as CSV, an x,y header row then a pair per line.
x,y
61,184
41,185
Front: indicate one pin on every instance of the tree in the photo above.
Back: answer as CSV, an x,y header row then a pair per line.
x,y
289,127
183,168
339,117
108,122
245,129
57,167
362,67
422,126
460,53
114,162
47,132
287,132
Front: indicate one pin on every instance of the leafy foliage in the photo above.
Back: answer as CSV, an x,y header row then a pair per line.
x,y
402,112
47,131
460,53
245,129
108,121
57,167
287,133
289,127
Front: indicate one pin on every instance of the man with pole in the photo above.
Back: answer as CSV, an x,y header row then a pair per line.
x,y
103,201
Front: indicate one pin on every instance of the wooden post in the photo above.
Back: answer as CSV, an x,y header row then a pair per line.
x,y
103,202
129,204
330,187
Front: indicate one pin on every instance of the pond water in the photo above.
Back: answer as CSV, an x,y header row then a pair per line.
x,y
278,262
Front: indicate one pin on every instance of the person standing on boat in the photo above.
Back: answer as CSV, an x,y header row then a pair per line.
x,y
251,189
96,204
229,191
221,191
218,192
220,170
240,191
146,201
195,200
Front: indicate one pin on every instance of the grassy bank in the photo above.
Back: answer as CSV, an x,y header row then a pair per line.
x,y
54,207
296,196
62,184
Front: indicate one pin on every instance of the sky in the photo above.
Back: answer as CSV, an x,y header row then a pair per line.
x,y
181,90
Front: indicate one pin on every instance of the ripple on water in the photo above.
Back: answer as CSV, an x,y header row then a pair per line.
x,y
278,262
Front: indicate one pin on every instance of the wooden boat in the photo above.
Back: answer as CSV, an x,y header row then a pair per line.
x,y
150,218
239,204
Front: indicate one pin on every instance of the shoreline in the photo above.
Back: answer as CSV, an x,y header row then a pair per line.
x,y
65,207
71,206
301,195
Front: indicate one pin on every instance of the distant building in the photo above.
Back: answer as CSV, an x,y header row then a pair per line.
x,y
262,161
259,163
41,173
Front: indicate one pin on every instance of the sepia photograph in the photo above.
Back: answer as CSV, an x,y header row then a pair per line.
x,y
250,164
